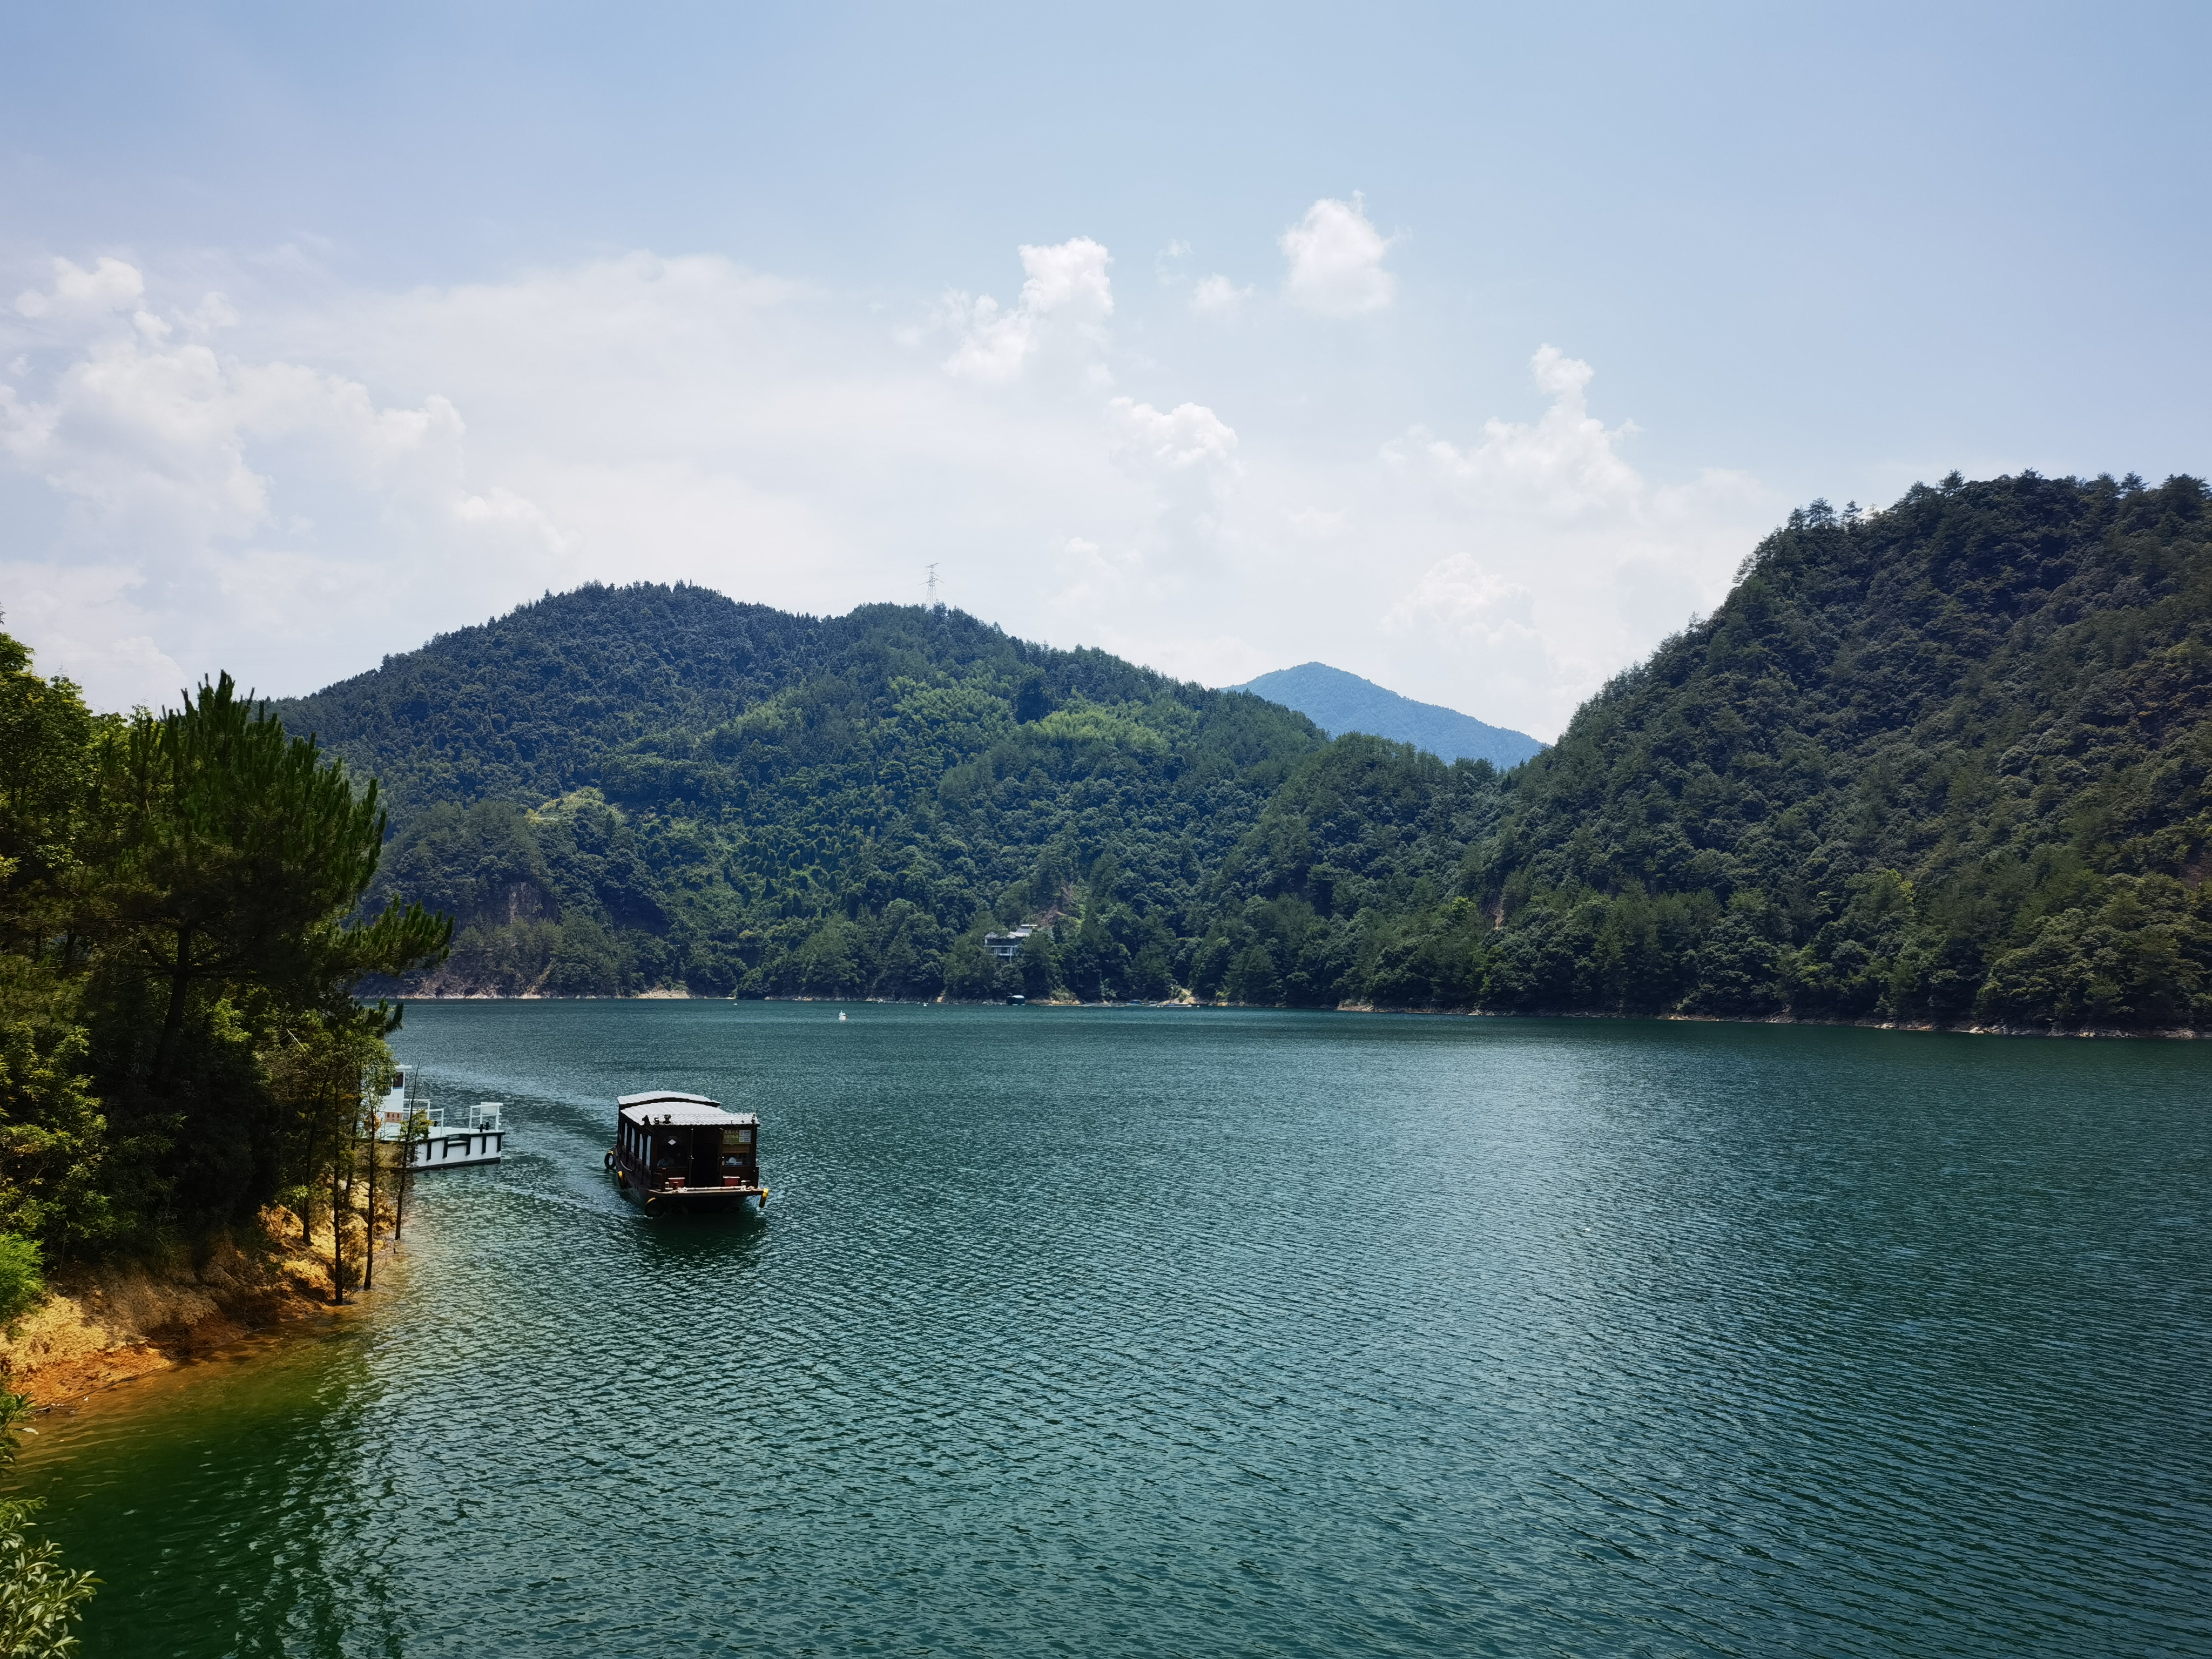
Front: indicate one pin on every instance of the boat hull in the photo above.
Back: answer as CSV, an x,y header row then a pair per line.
x,y
667,1200
453,1151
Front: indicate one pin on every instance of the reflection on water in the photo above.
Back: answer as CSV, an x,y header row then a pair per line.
x,y
1161,1331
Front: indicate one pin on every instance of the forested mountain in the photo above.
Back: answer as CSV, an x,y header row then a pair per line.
x,y
616,789
1946,761
1943,762
1339,702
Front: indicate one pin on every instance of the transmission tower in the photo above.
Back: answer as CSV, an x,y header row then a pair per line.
x,y
932,587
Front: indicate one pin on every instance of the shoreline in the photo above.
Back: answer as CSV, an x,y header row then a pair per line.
x,y
2169,1034
106,1324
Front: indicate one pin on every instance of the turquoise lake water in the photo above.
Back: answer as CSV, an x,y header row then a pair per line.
x,y
1152,1332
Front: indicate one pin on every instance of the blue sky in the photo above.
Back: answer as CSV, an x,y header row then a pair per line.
x,y
1467,348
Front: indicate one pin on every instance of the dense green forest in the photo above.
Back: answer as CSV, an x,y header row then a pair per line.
x,y
180,937
1945,761
683,791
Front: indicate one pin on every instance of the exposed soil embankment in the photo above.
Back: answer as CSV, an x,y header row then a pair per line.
x,y
106,1324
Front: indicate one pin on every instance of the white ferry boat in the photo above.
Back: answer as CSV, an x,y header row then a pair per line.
x,y
444,1137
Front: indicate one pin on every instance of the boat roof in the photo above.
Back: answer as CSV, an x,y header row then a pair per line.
x,y
665,1106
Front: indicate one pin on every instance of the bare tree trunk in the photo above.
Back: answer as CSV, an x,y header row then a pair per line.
x,y
173,1023
375,1146
338,1236
307,1191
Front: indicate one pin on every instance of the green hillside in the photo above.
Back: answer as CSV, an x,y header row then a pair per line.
x,y
1942,761
1946,762
619,789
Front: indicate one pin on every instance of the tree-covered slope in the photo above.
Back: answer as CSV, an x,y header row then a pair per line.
x,y
526,707
1343,889
621,789
1339,702
1943,762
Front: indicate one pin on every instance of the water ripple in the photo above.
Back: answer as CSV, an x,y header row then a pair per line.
x,y
1119,1333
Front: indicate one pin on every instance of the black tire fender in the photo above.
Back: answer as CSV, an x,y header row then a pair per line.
x,y
610,1162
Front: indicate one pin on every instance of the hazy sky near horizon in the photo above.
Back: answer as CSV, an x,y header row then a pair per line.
x,y
1468,349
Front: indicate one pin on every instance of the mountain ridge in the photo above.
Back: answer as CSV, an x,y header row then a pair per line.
x,y
1340,702
1948,763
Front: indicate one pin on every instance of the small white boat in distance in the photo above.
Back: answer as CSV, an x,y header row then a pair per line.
x,y
444,1137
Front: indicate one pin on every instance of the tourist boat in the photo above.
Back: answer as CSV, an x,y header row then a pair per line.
x,y
442,1136
682,1151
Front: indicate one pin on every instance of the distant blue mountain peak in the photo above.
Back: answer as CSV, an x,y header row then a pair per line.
x,y
1339,702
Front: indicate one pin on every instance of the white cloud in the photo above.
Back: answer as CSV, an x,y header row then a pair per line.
x,y
1216,296
1572,563
291,487
110,286
1188,439
1460,593
1336,261
1062,311
1315,523
174,462
1475,610
1566,464
1183,467
85,622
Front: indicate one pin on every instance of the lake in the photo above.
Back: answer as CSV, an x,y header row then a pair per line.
x,y
1162,1331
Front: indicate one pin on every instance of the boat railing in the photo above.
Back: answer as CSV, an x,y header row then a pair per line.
x,y
483,1118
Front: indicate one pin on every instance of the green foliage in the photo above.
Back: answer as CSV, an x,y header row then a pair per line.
x,y
40,1599
858,796
972,973
1944,762
54,1140
1949,761
226,854
47,754
22,1279
179,898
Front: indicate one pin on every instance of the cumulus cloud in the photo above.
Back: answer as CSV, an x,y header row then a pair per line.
x,y
1183,467
1572,562
1216,296
1062,311
1477,612
293,482
85,621
1566,465
1188,440
1335,256
109,286
193,480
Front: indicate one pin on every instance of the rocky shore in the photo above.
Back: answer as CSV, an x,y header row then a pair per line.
x,y
104,1324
